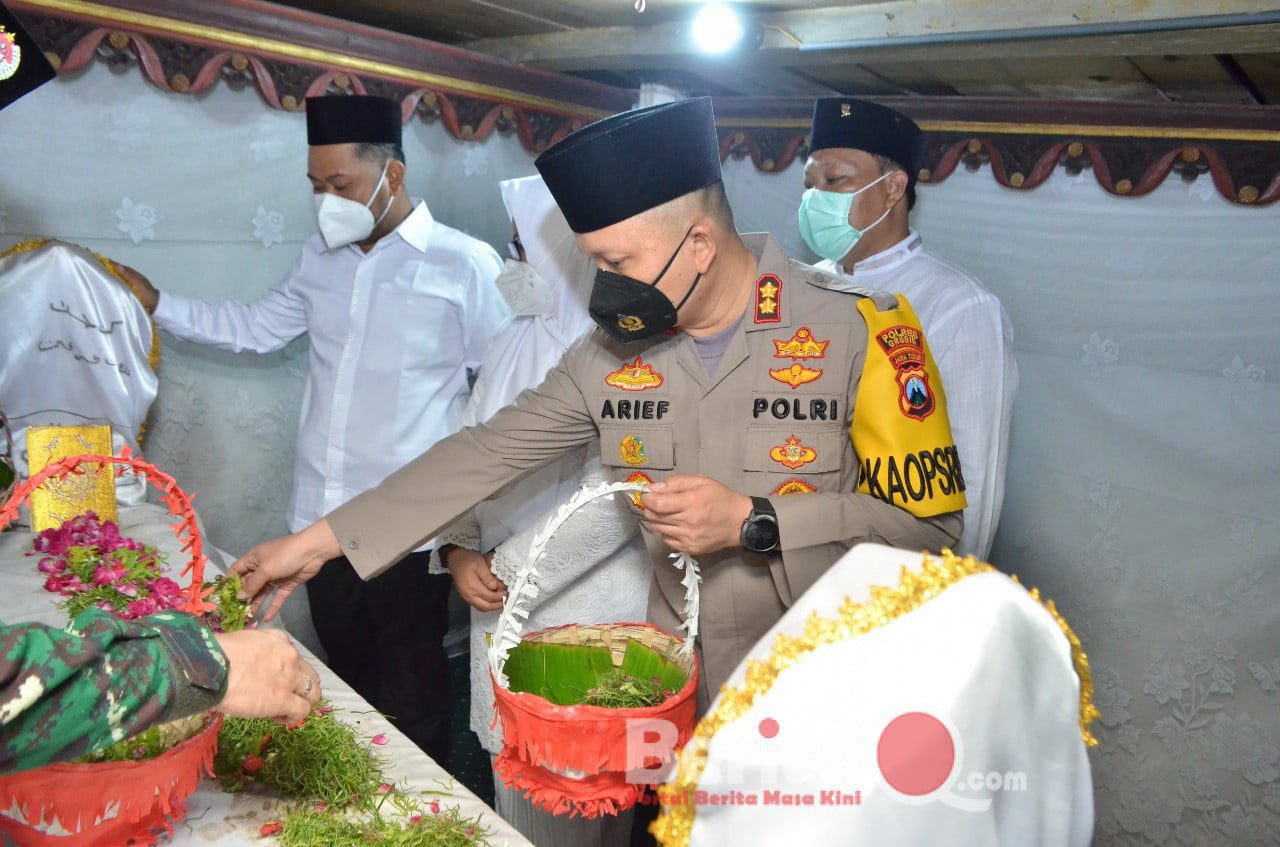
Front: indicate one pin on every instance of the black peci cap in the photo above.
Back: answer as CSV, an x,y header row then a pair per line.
x,y
860,125
353,119
632,162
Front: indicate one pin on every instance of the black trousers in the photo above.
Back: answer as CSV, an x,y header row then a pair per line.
x,y
385,638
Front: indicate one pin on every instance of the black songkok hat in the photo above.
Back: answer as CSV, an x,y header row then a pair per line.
x,y
872,128
632,162
352,118
23,66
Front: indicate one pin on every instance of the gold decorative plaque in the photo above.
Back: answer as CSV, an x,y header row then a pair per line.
x,y
60,499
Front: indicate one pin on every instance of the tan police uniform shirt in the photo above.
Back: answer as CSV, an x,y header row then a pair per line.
x,y
774,422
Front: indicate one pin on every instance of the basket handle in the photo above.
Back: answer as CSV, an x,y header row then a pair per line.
x,y
515,612
186,530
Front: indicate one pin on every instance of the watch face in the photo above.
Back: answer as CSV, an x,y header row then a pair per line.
x,y
761,534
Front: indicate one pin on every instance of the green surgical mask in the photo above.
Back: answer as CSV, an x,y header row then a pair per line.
x,y
824,221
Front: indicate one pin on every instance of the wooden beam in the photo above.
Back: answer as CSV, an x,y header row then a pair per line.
x,y
1264,71
1238,41
1020,114
899,20
763,81
892,31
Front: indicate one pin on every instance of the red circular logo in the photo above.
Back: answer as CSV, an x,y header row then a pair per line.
x,y
916,754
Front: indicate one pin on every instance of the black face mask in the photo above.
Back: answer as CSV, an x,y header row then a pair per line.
x,y
630,310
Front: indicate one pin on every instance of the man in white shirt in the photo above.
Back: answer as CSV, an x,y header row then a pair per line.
x,y
398,308
860,180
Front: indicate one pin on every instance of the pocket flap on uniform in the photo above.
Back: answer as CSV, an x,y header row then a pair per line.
x,y
638,447
795,450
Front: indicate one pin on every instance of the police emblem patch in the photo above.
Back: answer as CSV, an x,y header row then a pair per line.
x,y
640,477
802,345
10,54
793,454
631,451
794,486
768,299
796,375
630,323
904,346
634,376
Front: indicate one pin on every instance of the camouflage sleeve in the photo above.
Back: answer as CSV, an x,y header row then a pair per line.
x,y
103,679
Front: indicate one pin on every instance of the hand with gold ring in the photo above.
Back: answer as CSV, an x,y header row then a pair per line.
x,y
267,677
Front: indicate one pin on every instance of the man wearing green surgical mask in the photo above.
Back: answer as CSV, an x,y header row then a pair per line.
x,y
860,183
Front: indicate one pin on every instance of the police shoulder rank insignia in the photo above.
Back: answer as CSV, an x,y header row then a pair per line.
x,y
793,454
802,345
643,479
796,375
768,299
631,451
904,345
634,376
794,486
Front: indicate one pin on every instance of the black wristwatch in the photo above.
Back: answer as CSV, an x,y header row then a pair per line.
x,y
760,529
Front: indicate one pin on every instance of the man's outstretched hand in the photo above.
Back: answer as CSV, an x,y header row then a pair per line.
x,y
267,676
283,564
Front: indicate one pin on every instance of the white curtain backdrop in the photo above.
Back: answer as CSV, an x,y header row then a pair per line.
x,y
208,196
1142,491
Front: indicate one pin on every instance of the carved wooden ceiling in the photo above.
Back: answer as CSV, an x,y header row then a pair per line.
x,y
1194,51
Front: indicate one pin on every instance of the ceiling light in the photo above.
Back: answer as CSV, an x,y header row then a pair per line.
x,y
717,29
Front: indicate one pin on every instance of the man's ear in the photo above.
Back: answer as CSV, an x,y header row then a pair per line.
x,y
896,186
704,246
395,175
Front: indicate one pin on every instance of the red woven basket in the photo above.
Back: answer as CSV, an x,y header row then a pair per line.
x,y
577,760
574,759
113,803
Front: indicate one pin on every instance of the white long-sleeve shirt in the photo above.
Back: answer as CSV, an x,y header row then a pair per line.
x,y
970,335
393,334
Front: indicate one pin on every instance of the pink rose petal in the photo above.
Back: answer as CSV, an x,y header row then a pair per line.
x,y
380,740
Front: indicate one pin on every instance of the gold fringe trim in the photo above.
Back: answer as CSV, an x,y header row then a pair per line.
x,y
1088,711
888,603
153,357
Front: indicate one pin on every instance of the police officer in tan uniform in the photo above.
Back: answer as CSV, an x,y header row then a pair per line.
x,y
725,373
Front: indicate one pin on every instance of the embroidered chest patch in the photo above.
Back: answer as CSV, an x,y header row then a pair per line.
x,y
631,451
793,454
635,376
